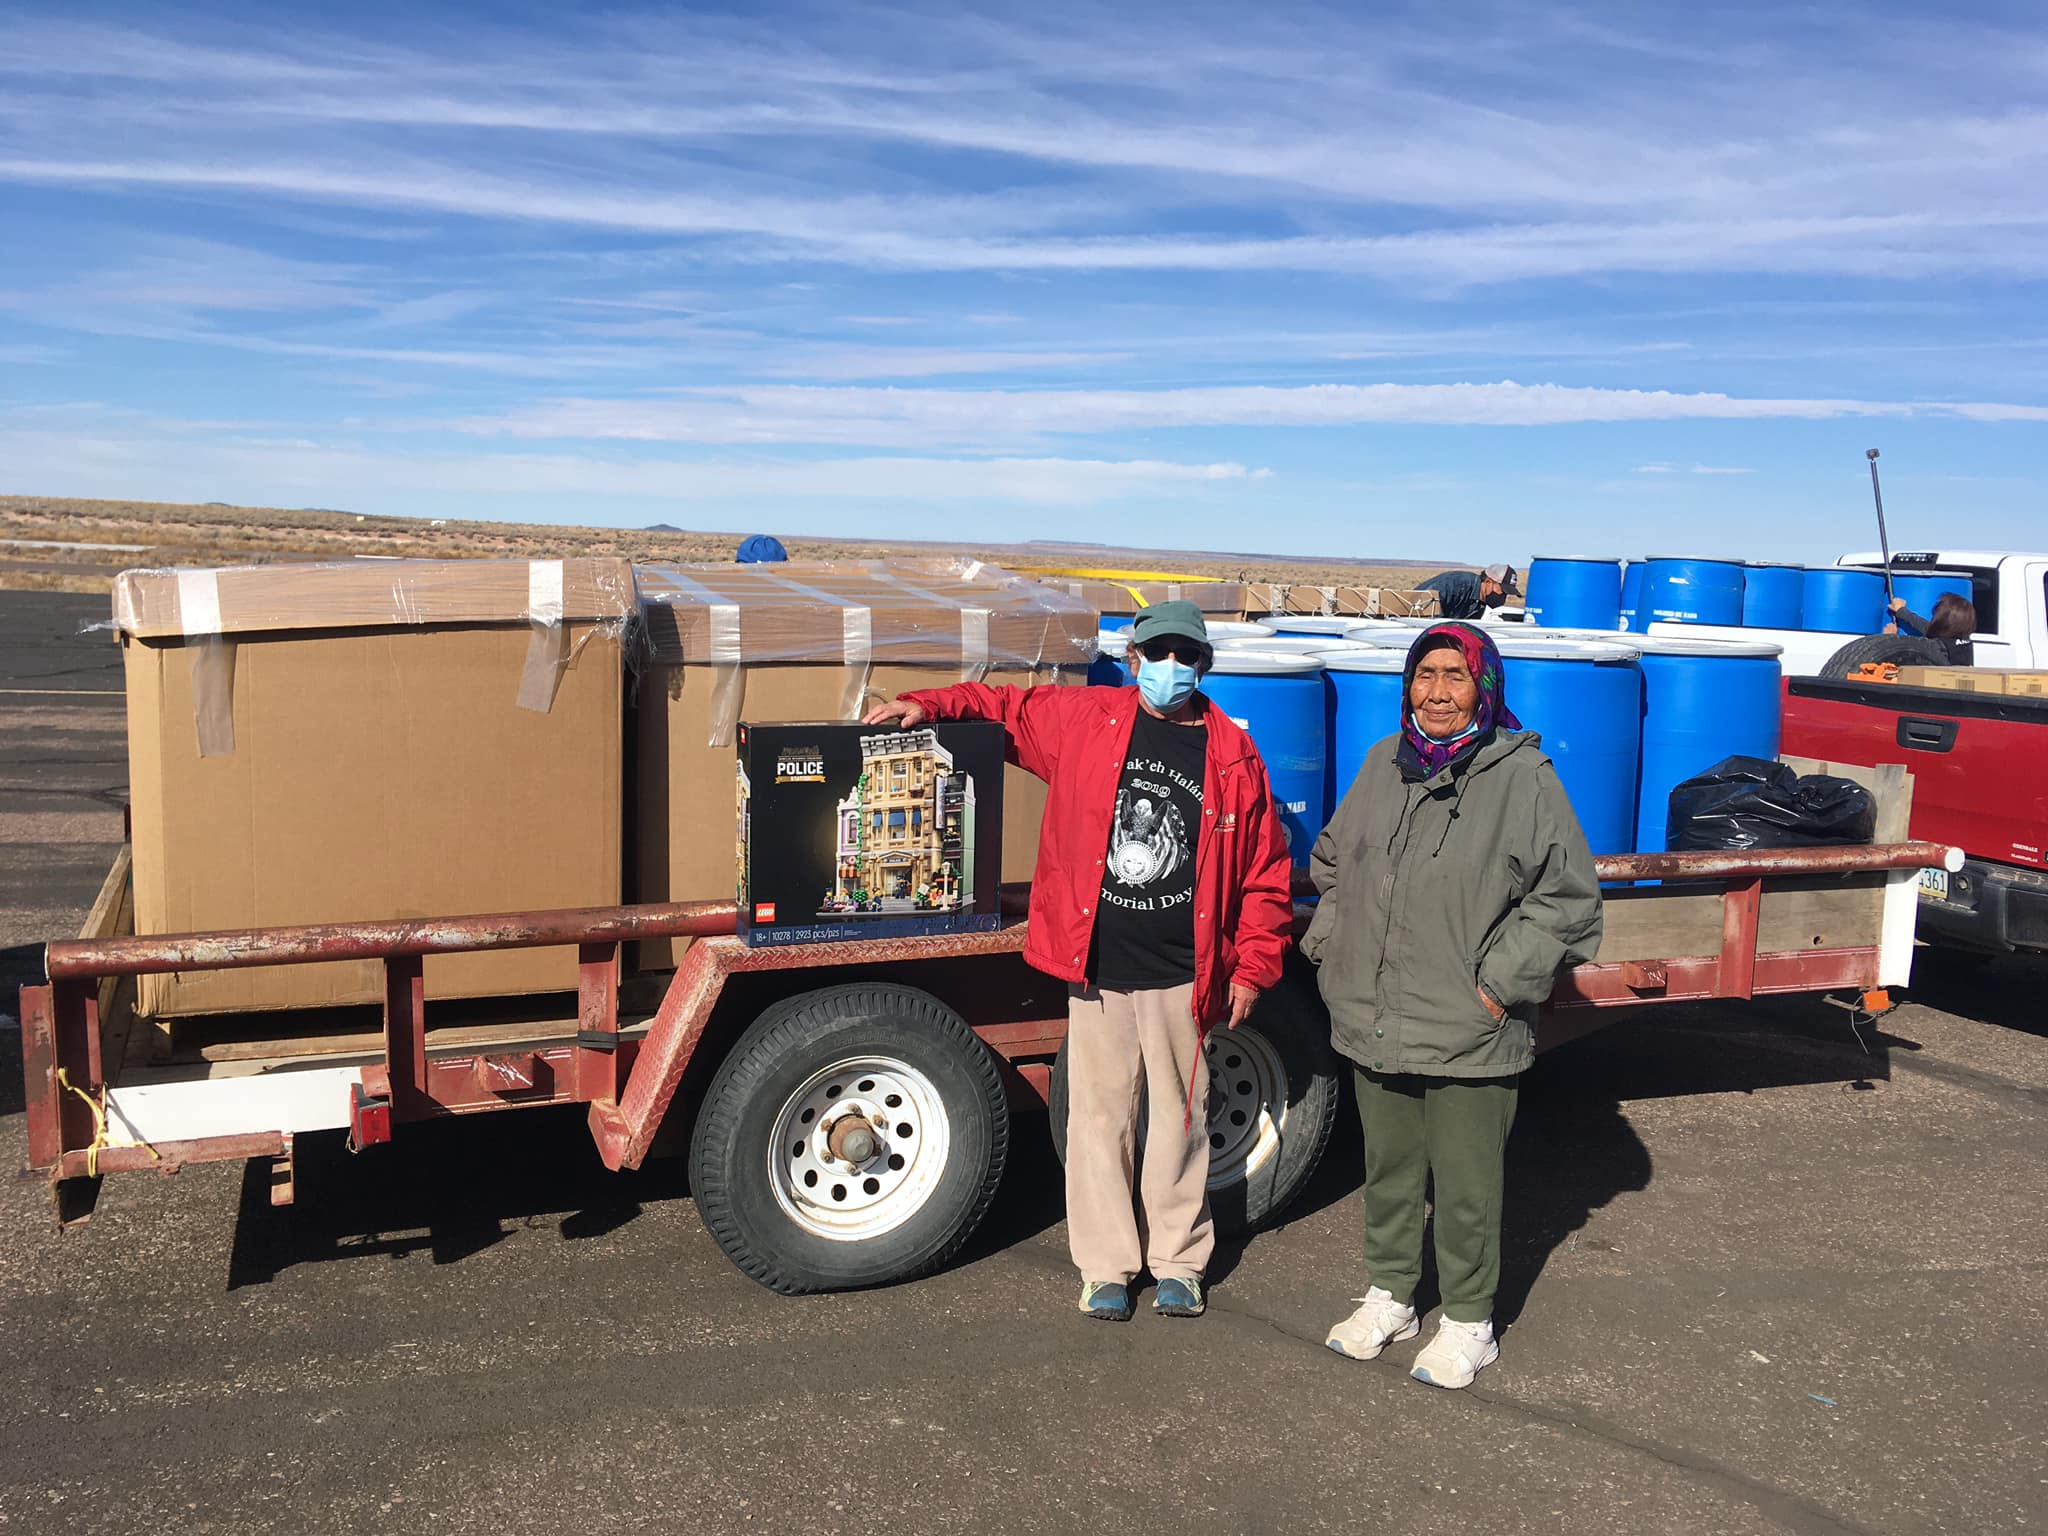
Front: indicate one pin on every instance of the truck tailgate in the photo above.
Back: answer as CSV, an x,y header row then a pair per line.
x,y
1979,762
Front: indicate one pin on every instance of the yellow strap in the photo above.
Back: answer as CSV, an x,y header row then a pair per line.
x,y
99,1125
1118,577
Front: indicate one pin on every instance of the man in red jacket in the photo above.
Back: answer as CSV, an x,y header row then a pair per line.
x,y
1162,899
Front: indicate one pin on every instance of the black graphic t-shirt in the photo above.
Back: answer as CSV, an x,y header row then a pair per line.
x,y
1145,921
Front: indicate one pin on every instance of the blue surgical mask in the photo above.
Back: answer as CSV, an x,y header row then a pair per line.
x,y
1166,684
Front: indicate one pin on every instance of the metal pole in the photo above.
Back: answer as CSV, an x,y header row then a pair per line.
x,y
1884,543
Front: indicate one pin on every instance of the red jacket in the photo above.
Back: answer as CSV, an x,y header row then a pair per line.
x,y
1076,740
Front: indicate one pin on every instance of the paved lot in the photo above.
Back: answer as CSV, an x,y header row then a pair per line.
x,y
1762,1278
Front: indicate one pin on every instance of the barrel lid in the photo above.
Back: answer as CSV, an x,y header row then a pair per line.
x,y
1359,659
1773,565
1854,570
1384,639
1695,559
1235,629
1232,662
1563,648
1578,559
1671,645
1289,645
1310,624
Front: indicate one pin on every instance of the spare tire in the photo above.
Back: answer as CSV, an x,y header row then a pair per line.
x,y
1899,650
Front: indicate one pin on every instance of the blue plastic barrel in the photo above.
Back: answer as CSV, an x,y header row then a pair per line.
x,y
1631,595
1773,595
1844,601
1585,697
1703,700
1362,700
1685,590
1116,621
1329,625
1923,589
1278,699
1107,670
1574,592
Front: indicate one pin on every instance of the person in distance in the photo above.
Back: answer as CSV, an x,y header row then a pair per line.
x,y
1954,621
1455,884
1468,594
1162,898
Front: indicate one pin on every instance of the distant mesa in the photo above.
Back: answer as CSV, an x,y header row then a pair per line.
x,y
663,528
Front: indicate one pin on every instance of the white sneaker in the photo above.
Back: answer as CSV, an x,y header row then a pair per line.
x,y
1379,1321
1459,1352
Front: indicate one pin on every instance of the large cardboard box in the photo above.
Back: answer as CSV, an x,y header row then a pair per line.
x,y
816,641
1954,679
1217,599
337,742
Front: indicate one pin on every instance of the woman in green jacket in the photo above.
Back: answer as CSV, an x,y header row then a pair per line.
x,y
1455,884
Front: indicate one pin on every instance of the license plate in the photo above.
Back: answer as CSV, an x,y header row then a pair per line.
x,y
1934,882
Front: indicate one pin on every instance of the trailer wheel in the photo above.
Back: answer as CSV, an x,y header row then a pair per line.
x,y
1273,1102
854,1136
1899,650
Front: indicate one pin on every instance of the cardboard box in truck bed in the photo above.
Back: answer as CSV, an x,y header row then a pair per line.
x,y
817,641
372,739
2014,682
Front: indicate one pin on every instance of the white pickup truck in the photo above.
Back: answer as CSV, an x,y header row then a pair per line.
x,y
2010,592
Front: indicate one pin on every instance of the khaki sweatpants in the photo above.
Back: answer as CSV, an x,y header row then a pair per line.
x,y
1117,1041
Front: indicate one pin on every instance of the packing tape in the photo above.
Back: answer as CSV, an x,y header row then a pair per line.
x,y
973,644
973,570
213,662
544,591
547,651
213,694
199,602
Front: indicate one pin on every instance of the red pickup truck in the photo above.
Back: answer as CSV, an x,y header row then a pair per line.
x,y
1980,781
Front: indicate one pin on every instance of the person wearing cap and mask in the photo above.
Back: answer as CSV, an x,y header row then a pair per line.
x,y
1468,594
1455,885
1162,898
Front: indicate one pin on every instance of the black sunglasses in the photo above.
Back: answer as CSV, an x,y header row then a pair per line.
x,y
1189,653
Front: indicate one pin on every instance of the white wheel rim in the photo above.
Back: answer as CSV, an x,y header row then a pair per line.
x,y
848,1200
1247,1103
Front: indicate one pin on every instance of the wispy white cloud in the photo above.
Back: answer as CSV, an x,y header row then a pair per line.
x,y
117,454
961,417
1692,469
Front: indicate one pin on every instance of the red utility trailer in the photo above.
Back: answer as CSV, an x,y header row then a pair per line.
x,y
846,1107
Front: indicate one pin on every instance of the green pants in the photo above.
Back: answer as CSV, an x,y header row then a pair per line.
x,y
1457,1129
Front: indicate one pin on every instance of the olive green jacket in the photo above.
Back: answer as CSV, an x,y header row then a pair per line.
x,y
1477,876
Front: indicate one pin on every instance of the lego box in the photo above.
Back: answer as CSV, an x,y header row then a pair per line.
x,y
868,832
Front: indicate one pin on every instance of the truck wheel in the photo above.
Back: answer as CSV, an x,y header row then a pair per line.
x,y
1273,1097
1899,650
853,1137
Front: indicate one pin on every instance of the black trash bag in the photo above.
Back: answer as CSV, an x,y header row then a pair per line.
x,y
1747,802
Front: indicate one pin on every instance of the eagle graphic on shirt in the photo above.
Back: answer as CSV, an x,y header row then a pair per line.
x,y
1148,840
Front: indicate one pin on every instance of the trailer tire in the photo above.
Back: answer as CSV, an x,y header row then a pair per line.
x,y
799,1206
1276,1071
1899,650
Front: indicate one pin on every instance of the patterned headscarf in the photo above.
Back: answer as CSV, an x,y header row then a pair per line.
x,y
1482,656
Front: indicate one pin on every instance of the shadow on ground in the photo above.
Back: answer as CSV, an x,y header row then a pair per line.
x,y
455,1188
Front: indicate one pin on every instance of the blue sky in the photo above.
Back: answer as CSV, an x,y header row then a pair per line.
x,y
1449,281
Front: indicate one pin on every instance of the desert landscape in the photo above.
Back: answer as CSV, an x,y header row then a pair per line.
x,y
63,544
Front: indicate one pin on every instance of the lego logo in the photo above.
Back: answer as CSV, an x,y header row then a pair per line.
x,y
764,911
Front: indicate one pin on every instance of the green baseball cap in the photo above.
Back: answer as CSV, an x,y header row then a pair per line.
x,y
1177,619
